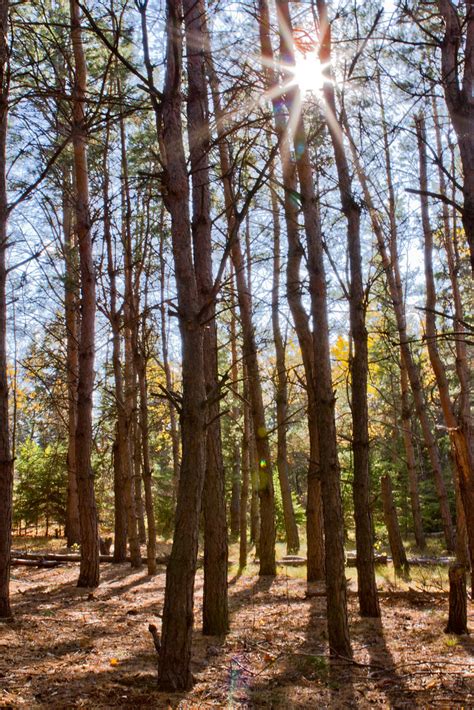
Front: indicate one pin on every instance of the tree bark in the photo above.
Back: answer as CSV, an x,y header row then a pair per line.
x,y
89,569
399,557
215,603
174,671
457,621
6,462
166,364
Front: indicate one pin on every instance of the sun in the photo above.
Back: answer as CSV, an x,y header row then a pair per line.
x,y
307,72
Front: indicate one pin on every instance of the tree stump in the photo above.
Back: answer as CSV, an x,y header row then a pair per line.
x,y
457,622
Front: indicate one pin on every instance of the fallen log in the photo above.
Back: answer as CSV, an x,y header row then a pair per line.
x,y
64,558
351,560
34,563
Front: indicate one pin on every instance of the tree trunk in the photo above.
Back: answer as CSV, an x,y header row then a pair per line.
x,y
399,557
411,460
89,570
6,462
174,670
457,434
291,529
215,604
244,491
120,511
146,469
367,589
314,521
457,621
120,450
235,493
73,528
131,474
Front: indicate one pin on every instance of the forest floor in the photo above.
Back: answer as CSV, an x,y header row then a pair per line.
x,y
69,648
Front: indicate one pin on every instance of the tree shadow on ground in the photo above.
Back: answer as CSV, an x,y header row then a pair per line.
x,y
384,672
32,599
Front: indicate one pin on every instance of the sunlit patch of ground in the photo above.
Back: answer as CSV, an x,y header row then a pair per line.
x,y
67,648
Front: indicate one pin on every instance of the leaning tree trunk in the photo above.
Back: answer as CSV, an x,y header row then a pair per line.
x,y
174,667
6,462
457,434
89,570
215,603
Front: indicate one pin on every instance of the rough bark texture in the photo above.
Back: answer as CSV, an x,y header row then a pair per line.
x,y
215,604
89,571
457,49
457,621
457,433
174,671
6,463
399,557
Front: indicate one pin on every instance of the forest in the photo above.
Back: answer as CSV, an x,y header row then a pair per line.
x,y
236,353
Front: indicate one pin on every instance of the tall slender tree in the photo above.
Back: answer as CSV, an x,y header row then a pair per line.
x,y
89,570
6,462
174,667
